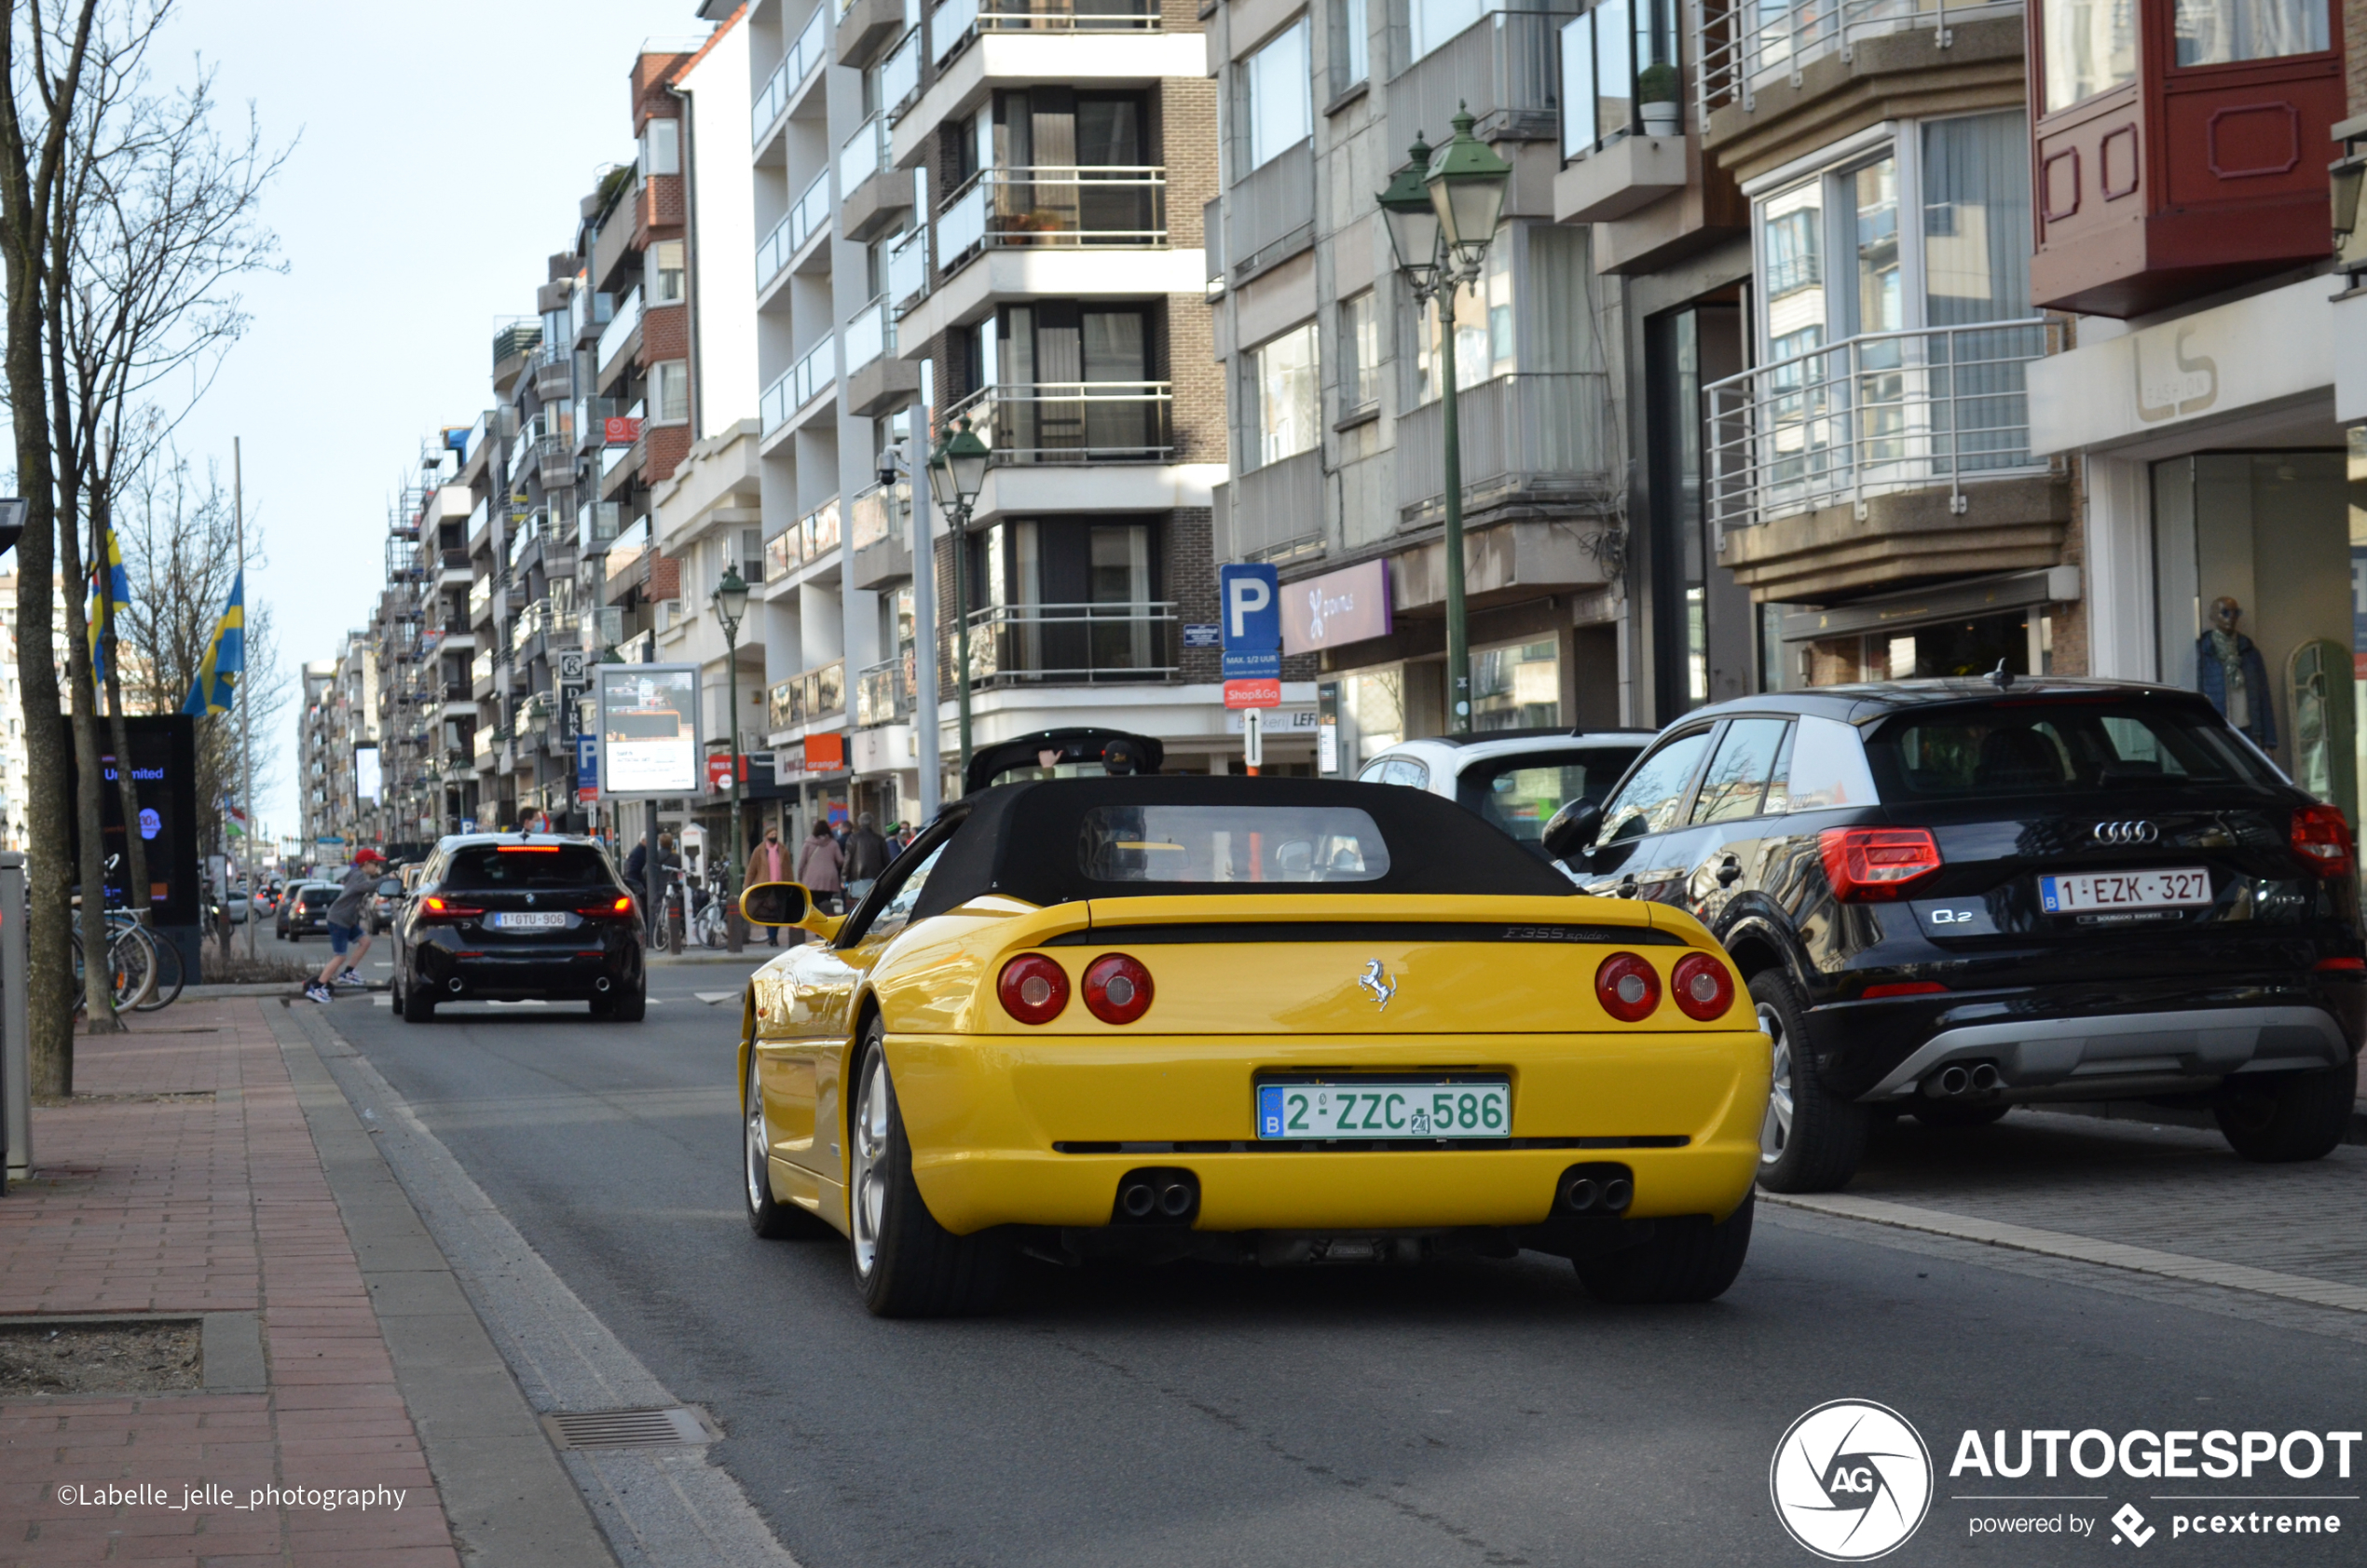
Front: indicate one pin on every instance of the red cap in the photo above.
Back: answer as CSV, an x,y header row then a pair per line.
x,y
366,852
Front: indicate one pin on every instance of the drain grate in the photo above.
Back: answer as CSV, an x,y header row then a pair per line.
x,y
672,1426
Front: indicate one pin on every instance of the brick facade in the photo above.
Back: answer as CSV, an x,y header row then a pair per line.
x,y
1198,380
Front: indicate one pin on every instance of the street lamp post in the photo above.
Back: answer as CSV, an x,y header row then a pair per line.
x,y
961,463
1441,210
730,603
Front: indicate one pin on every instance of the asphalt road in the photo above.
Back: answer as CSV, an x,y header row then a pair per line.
x,y
1479,1412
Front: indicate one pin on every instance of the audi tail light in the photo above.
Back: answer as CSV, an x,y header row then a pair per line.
x,y
1034,988
2322,839
1704,986
1117,989
1877,865
1627,987
437,908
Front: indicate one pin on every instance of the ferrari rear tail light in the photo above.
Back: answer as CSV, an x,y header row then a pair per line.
x,y
1876,865
1703,987
1627,987
443,909
1034,988
1117,989
2322,840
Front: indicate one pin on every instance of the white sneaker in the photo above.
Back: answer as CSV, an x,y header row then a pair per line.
x,y
315,991
351,977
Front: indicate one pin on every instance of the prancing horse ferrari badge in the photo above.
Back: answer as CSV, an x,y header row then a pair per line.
x,y
1377,983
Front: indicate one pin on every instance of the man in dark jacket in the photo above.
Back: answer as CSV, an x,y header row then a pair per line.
x,y
867,856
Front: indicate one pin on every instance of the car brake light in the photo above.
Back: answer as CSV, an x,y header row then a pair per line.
x,y
1875,865
1627,987
437,910
2322,840
2342,965
1034,988
528,848
618,910
1902,987
1117,989
1702,986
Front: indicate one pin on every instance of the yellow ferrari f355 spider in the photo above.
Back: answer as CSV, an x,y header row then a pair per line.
x,y
1265,1020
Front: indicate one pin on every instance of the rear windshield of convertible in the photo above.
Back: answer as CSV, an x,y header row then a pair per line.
x,y
1056,840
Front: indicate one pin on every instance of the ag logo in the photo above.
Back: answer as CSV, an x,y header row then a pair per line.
x,y
1852,1480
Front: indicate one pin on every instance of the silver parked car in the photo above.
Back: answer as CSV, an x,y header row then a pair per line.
x,y
1517,779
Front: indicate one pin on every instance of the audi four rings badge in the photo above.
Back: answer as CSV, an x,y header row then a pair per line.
x,y
2127,833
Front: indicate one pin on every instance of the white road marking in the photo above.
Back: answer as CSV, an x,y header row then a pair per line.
x,y
711,997
523,1001
382,1002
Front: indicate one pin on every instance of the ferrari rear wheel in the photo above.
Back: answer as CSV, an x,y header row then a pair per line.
x,y
908,1264
768,1216
1810,1139
1687,1260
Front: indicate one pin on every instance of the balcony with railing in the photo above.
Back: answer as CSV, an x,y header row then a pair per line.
x,y
808,215
1053,206
908,267
553,366
879,550
1071,644
807,698
883,692
1536,437
954,23
798,386
810,538
804,56
1882,459
901,76
620,329
1506,70
1269,214
1743,47
1044,422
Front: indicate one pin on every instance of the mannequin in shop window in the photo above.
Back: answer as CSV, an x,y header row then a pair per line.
x,y
2234,677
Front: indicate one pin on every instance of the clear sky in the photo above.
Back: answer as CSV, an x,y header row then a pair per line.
x,y
441,147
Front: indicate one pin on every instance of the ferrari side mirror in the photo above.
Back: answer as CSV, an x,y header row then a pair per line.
x,y
776,904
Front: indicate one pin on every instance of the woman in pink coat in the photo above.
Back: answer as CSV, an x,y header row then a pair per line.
x,y
820,864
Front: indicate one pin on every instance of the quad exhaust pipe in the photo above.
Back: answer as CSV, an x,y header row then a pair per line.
x,y
1959,1078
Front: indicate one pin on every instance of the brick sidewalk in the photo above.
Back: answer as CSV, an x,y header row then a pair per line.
x,y
186,1207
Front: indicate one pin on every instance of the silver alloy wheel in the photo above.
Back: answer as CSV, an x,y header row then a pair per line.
x,y
1775,1133
760,1176
870,1207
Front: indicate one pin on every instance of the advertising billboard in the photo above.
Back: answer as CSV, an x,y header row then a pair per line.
x,y
650,731
365,773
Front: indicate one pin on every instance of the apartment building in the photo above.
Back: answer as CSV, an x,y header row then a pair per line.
x,y
1336,378
341,799
991,214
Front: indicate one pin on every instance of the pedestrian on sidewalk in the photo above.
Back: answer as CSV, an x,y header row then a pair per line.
x,y
346,927
867,856
769,862
820,866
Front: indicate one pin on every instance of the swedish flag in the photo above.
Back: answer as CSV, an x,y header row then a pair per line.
x,y
110,587
225,658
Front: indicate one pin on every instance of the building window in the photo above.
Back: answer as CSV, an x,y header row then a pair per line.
x,y
1482,326
670,391
2222,31
663,282
1360,340
1351,45
1283,390
1281,107
2090,46
1516,688
661,147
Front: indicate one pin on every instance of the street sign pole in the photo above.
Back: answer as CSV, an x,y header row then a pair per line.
x,y
1253,739
1250,600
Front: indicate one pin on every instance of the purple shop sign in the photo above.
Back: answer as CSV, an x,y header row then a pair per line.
x,y
1347,606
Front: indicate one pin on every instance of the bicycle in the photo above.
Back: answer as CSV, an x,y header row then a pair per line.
x,y
132,964
709,925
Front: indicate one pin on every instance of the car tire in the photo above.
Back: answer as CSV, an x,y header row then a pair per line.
x,y
418,1005
2277,1118
770,1218
1688,1259
1811,1139
907,1264
624,1007
1951,1114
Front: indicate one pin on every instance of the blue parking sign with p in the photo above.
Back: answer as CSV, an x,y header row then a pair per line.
x,y
1251,602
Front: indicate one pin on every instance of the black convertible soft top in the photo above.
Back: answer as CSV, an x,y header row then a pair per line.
x,y
1023,839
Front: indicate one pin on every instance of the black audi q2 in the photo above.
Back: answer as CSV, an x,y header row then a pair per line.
x,y
1950,897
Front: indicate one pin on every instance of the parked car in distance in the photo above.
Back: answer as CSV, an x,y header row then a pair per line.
x,y
1517,779
511,917
1956,896
385,900
286,909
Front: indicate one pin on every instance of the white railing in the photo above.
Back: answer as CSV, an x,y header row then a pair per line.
x,y
1873,415
962,227
1049,205
1072,421
900,75
950,24
796,387
804,58
1740,45
864,155
869,333
621,326
908,267
1014,645
808,213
